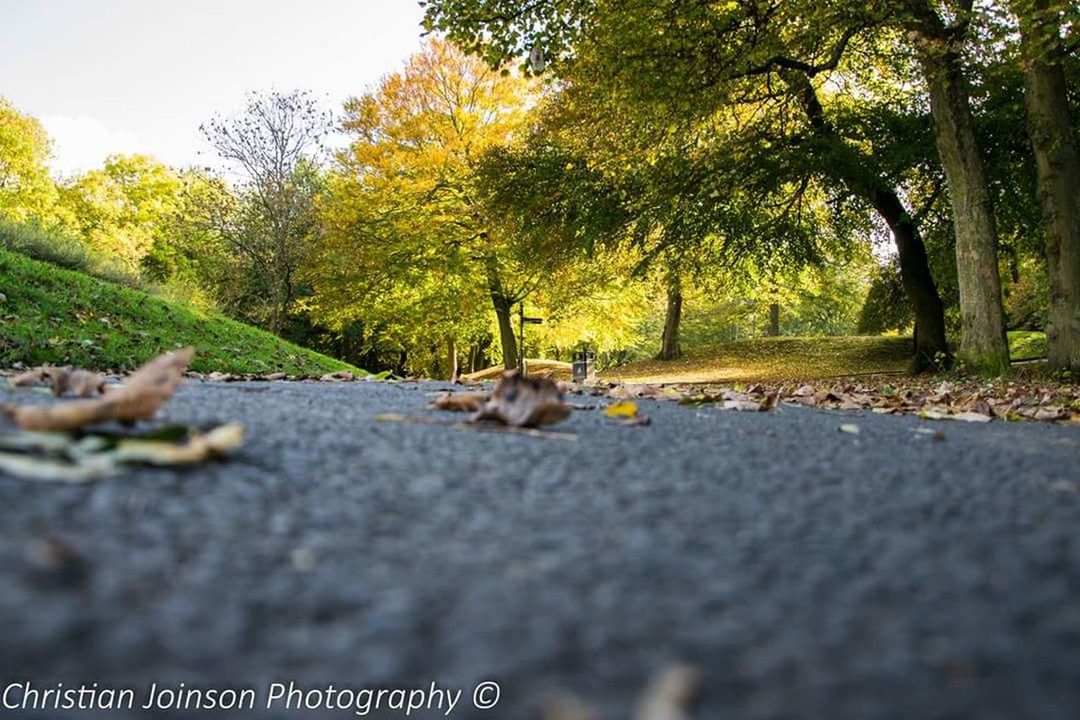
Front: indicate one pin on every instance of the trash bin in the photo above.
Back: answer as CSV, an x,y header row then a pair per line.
x,y
584,366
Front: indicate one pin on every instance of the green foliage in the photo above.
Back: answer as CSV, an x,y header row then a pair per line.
x,y
26,190
886,308
121,209
410,250
52,315
1026,301
1027,345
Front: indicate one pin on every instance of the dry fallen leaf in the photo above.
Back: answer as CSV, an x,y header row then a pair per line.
x,y
622,409
31,377
524,402
971,417
568,708
626,412
850,428
75,381
462,401
198,448
339,376
744,405
139,398
29,467
669,695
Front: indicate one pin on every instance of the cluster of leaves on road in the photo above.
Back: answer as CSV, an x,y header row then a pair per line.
x,y
517,404
966,399
963,399
92,435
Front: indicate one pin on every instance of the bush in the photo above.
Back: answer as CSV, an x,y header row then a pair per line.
x,y
886,308
1026,302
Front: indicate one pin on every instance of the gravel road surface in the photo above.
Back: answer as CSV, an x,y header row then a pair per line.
x,y
806,572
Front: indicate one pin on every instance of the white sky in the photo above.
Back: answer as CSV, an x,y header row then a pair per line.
x,y
107,76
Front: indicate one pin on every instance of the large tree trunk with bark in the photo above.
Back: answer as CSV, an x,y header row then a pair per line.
x,y
931,347
983,347
503,304
669,346
858,173
773,329
1058,163
503,311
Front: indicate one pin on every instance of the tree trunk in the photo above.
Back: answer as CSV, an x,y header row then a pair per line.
x,y
669,345
1058,163
452,359
774,320
858,173
931,347
983,347
503,311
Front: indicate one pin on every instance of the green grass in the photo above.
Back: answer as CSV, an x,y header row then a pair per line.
x,y
796,359
63,251
52,315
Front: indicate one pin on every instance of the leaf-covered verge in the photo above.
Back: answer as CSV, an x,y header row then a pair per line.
x,y
794,359
61,317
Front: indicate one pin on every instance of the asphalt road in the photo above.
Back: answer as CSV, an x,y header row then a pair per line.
x,y
807,572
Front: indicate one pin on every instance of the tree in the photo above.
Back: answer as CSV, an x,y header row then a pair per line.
x,y
26,190
940,47
1053,138
405,191
122,208
697,59
272,148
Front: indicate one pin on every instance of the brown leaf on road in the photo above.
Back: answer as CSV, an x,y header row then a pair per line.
x,y
198,448
65,380
625,412
568,708
746,405
339,376
969,416
139,398
462,401
37,376
524,402
77,382
670,694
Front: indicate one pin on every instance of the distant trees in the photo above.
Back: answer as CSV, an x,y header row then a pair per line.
x,y
695,58
121,208
26,190
269,218
411,233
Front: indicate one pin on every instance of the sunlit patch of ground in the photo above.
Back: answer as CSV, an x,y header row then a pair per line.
x,y
770,359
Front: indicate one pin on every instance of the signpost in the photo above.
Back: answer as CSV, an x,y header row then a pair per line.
x,y
521,344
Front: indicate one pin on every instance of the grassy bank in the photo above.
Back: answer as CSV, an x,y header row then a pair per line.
x,y
52,315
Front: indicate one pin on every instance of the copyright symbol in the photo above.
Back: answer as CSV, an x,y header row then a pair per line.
x,y
486,695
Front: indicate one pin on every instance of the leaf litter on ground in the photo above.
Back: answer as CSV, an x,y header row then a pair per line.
x,y
63,380
669,695
961,399
66,441
518,404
